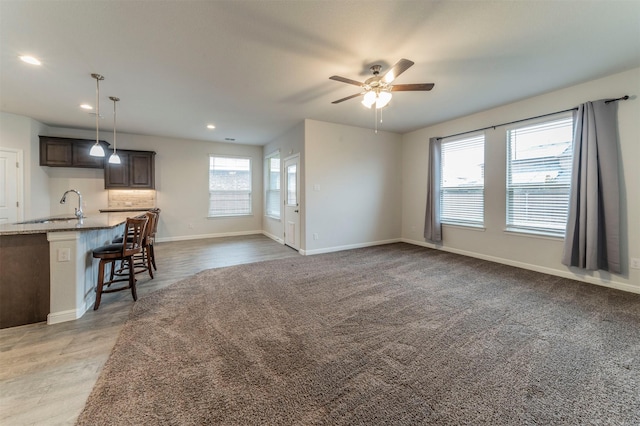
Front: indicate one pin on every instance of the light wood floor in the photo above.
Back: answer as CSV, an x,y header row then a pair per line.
x,y
48,371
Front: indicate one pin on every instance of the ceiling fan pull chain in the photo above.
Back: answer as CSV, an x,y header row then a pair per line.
x,y
375,119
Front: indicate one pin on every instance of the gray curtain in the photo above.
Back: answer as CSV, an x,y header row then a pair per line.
x,y
592,238
432,225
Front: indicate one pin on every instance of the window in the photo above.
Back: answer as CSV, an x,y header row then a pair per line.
x,y
272,185
229,186
462,181
292,179
539,176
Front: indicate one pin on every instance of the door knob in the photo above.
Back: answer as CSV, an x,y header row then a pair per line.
x,y
296,211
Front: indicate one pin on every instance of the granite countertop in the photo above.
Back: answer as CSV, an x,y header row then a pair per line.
x,y
125,209
59,224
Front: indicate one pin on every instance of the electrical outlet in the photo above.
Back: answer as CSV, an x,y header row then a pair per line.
x,y
635,263
191,226
315,236
64,254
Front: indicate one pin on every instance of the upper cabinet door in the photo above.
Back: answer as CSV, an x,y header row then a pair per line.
x,y
117,175
81,157
55,153
136,171
142,170
68,152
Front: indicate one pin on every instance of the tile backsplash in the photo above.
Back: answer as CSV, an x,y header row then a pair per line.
x,y
132,198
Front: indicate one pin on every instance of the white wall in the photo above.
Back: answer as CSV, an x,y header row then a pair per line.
x,y
182,184
352,184
290,143
21,133
537,253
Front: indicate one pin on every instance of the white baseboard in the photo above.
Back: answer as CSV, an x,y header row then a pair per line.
x,y
203,236
523,265
273,237
348,247
63,316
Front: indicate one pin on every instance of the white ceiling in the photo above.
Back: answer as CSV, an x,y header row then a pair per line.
x,y
257,68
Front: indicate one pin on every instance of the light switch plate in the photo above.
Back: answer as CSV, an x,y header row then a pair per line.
x,y
635,263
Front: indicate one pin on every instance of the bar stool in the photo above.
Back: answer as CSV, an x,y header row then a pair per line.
x,y
134,228
141,261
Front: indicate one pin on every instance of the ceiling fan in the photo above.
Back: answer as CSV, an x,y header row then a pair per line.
x,y
377,89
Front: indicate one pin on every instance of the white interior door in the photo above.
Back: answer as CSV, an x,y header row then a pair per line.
x,y
292,202
8,186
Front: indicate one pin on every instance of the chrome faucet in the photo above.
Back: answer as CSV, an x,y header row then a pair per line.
x,y
78,211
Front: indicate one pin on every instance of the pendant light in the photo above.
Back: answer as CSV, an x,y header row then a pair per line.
x,y
97,150
114,158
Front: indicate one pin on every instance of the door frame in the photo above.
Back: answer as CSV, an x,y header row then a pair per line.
x,y
285,189
19,180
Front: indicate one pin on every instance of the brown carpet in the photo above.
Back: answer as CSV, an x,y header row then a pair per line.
x,y
389,335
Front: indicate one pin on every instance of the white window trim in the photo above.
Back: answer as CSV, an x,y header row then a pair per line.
x,y
462,224
230,215
523,230
266,185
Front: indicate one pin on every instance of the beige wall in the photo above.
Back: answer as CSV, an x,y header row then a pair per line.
x,y
493,243
352,186
21,134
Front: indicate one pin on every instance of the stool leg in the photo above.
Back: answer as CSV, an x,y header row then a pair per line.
x,y
132,279
152,255
147,259
100,285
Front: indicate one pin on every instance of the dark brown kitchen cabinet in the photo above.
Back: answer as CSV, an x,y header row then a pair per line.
x,y
135,171
68,152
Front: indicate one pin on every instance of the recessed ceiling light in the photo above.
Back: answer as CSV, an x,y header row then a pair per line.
x,y
30,60
210,126
86,106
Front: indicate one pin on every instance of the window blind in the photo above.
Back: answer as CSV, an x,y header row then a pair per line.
x,y
462,181
273,186
229,186
539,160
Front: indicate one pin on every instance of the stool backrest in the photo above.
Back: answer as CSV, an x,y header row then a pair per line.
x,y
134,228
154,230
151,223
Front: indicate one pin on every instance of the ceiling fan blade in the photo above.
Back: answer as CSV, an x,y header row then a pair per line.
x,y
347,98
346,80
410,87
401,66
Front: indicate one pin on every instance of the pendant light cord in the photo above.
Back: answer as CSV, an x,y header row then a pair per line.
x,y
97,109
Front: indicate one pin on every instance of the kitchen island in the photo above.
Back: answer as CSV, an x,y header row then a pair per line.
x,y
47,270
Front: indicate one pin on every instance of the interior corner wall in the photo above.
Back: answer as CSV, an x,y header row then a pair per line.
x,y
290,143
21,133
493,243
352,176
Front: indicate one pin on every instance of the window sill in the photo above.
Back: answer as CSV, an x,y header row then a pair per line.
x,y
478,228
533,234
272,218
230,216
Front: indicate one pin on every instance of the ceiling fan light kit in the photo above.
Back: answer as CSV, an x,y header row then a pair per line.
x,y
379,98
377,89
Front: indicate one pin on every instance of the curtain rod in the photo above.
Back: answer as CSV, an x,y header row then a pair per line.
x,y
623,98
